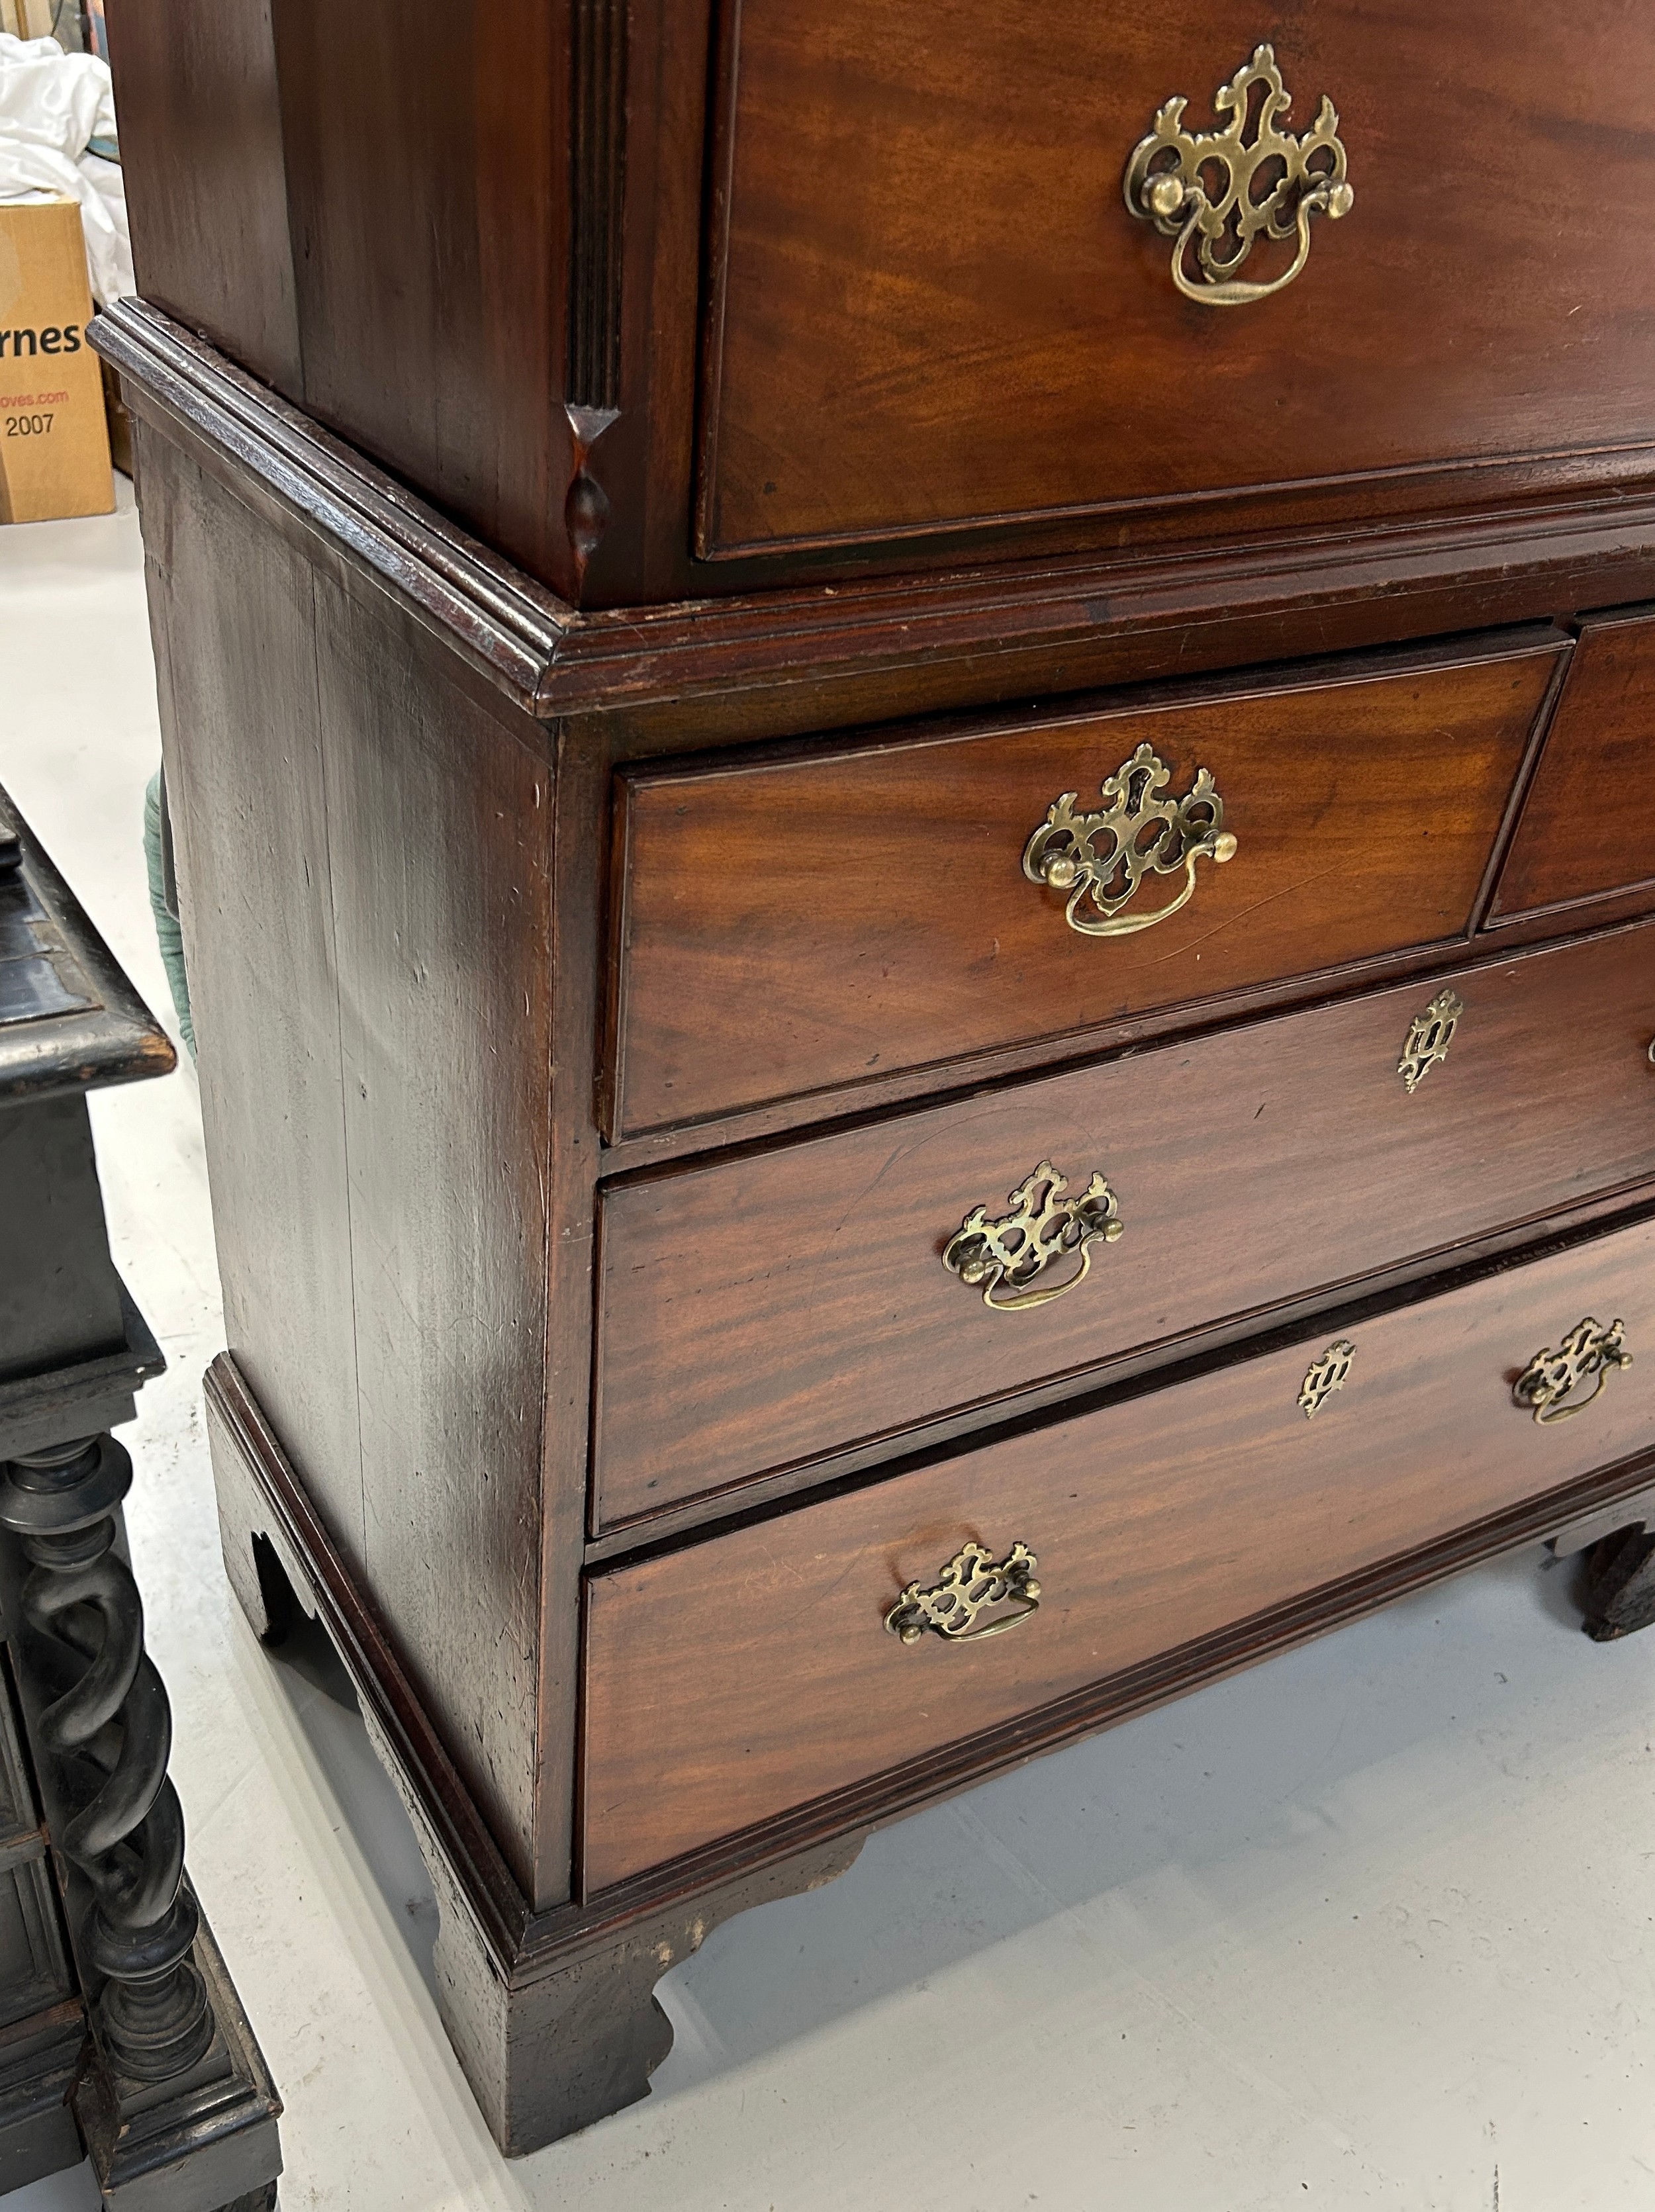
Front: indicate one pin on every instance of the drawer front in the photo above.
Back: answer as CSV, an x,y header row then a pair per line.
x,y
789,926
731,1679
1588,823
764,1311
931,307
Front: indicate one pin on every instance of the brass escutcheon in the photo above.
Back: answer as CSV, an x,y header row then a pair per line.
x,y
972,1580
1101,858
1589,1350
1217,193
1327,1375
1429,1039
1042,1228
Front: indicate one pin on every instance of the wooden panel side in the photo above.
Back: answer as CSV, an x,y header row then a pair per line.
x,y
730,1680
766,1310
205,176
233,622
60,1298
427,169
1588,825
441,837
797,924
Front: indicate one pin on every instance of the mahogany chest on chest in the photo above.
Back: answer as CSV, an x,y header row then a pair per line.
x,y
913,761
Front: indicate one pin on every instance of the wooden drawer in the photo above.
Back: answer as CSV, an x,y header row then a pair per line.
x,y
733,1679
786,925
1588,823
768,1309
931,307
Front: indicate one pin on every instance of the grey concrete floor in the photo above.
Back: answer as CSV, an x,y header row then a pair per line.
x,y
1368,1926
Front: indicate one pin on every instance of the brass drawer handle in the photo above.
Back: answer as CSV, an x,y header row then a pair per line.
x,y
972,1580
1164,185
1588,1349
1042,1228
1102,857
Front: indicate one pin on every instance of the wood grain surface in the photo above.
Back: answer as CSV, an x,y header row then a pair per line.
x,y
933,304
766,1309
444,1031
730,1680
1588,823
205,176
250,821
376,1065
788,925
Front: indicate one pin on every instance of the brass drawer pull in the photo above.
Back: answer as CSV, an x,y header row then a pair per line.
x,y
972,1580
1165,184
1588,1349
1102,857
1042,1228
1429,1039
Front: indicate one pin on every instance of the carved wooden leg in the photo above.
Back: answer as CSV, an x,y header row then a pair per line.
x,y
1619,1576
177,2111
113,1724
571,2031
1616,1546
553,2014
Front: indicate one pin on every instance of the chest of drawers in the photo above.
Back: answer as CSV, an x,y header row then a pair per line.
x,y
965,1033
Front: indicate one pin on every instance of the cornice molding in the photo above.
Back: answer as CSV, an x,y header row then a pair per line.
x,y
1037,626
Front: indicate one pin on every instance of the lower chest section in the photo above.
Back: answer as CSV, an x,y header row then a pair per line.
x,y
1259,1232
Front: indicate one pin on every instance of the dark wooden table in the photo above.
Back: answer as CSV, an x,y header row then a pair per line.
x,y
121,2034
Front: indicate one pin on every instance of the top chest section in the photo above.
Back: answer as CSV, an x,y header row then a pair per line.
x,y
698,298
1105,272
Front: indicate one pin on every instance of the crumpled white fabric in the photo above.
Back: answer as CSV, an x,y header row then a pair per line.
x,y
53,105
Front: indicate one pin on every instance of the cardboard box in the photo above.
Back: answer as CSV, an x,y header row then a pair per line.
x,y
54,435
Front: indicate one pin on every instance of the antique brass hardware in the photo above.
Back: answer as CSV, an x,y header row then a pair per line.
x,y
1173,176
1327,1375
1429,1039
1588,1349
1043,1227
1102,857
972,1580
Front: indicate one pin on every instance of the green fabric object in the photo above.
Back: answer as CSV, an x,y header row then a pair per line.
x,y
166,929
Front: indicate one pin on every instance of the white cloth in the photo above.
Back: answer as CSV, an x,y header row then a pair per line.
x,y
53,105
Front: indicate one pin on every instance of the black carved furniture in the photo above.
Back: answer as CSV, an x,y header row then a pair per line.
x,y
963,1034
120,2032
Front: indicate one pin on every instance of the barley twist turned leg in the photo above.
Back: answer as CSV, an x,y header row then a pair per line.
x,y
110,1731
